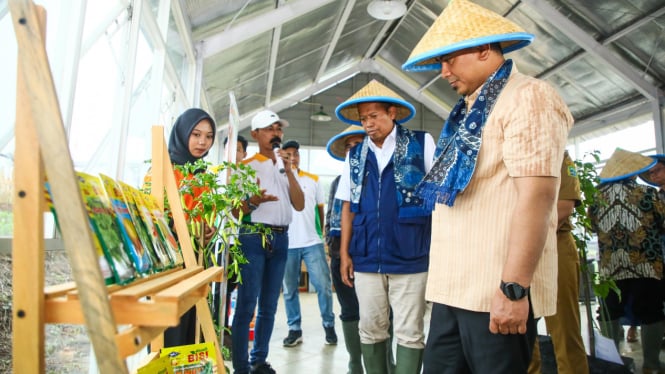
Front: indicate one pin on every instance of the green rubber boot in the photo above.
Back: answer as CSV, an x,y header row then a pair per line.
x,y
352,343
409,360
374,357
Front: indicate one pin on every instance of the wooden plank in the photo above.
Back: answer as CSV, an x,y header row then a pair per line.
x,y
205,318
63,310
154,285
157,169
52,140
59,290
28,241
189,285
173,195
133,339
153,313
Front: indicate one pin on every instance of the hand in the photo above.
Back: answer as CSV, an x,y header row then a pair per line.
x,y
346,270
507,316
262,197
288,162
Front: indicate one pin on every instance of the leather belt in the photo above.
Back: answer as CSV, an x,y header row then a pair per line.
x,y
278,229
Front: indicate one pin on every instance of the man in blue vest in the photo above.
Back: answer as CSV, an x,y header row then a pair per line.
x,y
385,231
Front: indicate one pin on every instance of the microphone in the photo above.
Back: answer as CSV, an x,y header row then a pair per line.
x,y
278,159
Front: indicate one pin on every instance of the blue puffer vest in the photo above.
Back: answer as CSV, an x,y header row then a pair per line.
x,y
381,242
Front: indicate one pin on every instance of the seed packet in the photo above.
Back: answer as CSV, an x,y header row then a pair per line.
x,y
101,258
104,224
148,220
192,359
163,229
160,260
161,365
137,252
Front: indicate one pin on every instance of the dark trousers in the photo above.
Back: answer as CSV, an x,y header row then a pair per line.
x,y
184,333
346,295
459,341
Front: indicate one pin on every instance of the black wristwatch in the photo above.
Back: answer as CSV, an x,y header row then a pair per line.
x,y
252,207
514,291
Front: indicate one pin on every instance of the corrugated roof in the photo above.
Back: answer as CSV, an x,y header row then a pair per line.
x,y
606,58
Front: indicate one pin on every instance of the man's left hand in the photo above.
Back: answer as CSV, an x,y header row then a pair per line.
x,y
507,316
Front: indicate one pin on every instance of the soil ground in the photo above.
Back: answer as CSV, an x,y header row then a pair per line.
x,y
67,347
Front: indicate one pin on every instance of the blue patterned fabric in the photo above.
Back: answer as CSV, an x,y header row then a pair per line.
x,y
458,146
334,214
409,166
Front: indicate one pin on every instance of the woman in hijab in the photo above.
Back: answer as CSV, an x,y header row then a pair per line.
x,y
192,136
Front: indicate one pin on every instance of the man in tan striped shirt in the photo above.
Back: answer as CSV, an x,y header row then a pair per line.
x,y
494,184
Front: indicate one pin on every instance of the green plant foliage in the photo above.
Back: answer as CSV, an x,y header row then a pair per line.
x,y
215,206
602,286
588,177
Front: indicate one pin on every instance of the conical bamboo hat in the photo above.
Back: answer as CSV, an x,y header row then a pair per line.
x,y
461,25
371,93
336,146
625,164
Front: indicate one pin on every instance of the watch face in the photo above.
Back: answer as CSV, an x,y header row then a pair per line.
x,y
513,291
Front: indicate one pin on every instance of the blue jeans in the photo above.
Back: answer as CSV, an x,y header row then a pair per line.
x,y
319,274
261,280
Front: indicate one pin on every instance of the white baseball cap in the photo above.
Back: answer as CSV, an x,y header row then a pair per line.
x,y
266,118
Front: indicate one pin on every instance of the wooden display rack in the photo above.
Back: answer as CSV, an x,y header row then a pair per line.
x,y
100,307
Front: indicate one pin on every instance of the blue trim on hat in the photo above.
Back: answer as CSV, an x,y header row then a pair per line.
x,y
524,39
360,131
626,176
374,99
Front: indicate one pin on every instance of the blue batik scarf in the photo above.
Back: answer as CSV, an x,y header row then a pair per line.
x,y
335,219
458,146
409,169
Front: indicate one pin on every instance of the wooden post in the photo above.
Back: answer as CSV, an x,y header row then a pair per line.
x,y
43,108
163,162
28,239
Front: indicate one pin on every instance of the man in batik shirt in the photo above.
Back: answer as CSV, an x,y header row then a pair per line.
x,y
628,218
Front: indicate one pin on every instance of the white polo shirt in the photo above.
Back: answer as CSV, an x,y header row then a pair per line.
x,y
278,213
302,232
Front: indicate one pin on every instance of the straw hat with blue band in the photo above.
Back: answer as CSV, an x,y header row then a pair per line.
x,y
645,176
336,146
625,164
374,92
461,25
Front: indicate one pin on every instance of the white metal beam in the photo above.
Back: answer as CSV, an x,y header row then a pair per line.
x,y
430,82
657,106
399,80
121,119
194,56
594,48
248,29
333,43
70,37
379,42
619,34
157,30
272,63
616,114
101,27
377,39
301,94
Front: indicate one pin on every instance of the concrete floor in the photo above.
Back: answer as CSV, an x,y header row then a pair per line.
x,y
315,357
